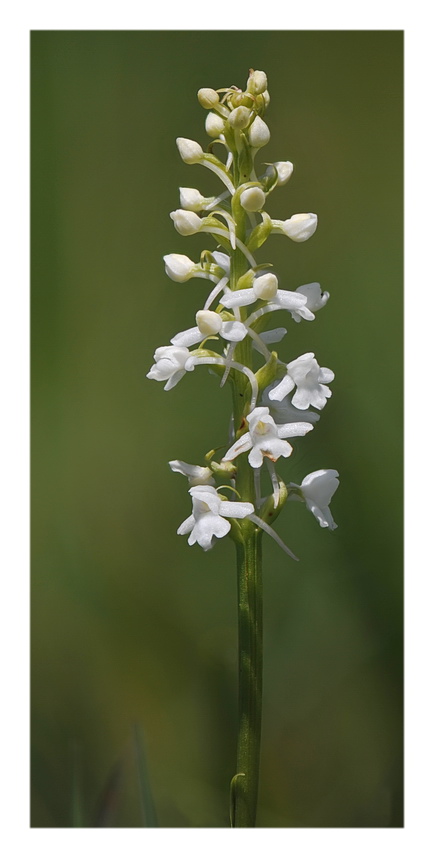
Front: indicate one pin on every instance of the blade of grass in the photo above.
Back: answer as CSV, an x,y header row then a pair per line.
x,y
109,798
77,794
146,799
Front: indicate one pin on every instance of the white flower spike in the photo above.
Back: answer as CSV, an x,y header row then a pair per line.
x,y
309,378
317,490
209,517
271,399
266,438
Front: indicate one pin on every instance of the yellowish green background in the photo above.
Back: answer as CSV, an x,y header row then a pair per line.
x,y
130,626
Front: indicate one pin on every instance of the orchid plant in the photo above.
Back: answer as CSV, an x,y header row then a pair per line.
x,y
271,398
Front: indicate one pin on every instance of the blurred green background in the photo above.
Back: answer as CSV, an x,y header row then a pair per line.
x,y
130,625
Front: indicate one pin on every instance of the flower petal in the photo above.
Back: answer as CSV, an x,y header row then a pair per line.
x,y
187,338
233,331
236,509
293,430
241,446
282,389
239,298
186,526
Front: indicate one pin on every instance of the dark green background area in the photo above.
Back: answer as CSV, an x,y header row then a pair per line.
x,y
129,624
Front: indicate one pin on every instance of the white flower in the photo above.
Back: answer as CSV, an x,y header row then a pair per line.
x,y
318,489
192,200
252,199
209,516
308,377
284,411
186,222
257,82
299,227
239,117
208,97
265,438
285,170
190,151
170,365
265,289
315,298
259,133
214,125
196,474
209,324
179,267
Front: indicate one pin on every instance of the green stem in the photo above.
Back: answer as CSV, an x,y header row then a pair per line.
x,y
244,786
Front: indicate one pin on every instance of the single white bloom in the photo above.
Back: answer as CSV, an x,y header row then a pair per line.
x,y
284,411
192,200
190,151
208,97
318,489
214,125
265,438
315,298
308,377
186,222
299,227
170,365
209,324
209,517
265,289
179,267
259,133
252,199
196,474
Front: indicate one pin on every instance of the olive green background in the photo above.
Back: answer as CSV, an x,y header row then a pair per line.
x,y
130,626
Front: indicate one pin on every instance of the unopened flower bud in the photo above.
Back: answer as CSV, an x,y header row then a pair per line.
x,y
265,286
208,322
208,98
240,117
223,470
300,227
178,267
214,125
259,133
284,171
192,200
186,223
253,199
257,82
190,151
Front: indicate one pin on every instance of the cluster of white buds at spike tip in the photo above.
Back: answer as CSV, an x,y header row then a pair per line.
x,y
271,395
